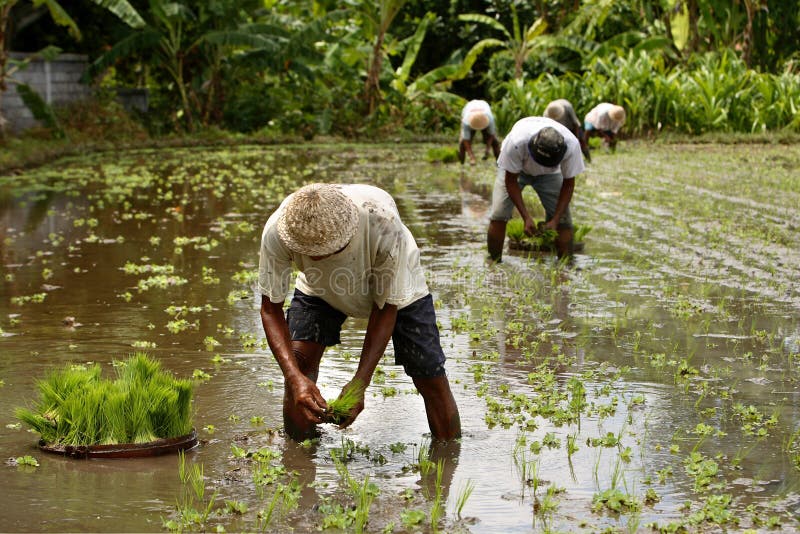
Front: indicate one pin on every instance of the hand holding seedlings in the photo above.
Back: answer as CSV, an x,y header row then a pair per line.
x,y
307,398
344,410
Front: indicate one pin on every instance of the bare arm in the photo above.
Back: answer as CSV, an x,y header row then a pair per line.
x,y
515,193
302,389
564,198
379,330
468,148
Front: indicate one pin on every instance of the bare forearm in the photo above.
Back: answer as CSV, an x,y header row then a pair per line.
x,y
515,194
564,198
379,330
277,332
468,148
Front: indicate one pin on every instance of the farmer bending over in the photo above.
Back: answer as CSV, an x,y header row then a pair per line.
x,y
477,116
605,120
561,111
542,153
355,258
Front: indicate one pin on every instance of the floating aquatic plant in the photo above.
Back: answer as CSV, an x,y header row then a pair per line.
x,y
78,407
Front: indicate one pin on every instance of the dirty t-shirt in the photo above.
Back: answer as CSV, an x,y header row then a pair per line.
x,y
516,158
380,264
598,117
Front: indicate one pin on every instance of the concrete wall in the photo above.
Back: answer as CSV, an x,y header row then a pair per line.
x,y
57,82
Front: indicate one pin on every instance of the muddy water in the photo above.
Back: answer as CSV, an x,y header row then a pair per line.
x,y
654,381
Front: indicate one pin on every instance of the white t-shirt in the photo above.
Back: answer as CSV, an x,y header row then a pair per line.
x,y
598,117
380,264
516,158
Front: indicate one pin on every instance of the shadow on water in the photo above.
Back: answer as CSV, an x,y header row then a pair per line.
x,y
659,369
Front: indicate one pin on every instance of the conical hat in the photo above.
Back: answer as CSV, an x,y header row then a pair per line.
x,y
478,120
617,114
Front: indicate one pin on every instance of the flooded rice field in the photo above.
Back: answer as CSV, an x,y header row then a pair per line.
x,y
650,385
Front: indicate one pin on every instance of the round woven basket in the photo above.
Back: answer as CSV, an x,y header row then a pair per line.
x,y
124,450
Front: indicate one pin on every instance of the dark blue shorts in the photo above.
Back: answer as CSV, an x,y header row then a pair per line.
x,y
415,337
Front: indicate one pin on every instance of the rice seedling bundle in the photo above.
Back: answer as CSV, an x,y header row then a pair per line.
x,y
543,239
339,409
77,406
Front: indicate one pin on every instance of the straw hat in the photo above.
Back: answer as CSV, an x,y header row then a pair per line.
x,y
554,111
547,147
617,114
317,220
478,120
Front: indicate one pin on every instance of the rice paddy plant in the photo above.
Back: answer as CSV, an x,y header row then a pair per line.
x,y
543,239
424,463
339,409
463,495
713,92
364,494
77,406
193,491
438,506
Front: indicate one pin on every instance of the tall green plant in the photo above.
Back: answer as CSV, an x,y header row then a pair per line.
x,y
519,42
376,17
121,8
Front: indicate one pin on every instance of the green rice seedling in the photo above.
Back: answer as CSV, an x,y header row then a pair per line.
x,y
543,239
463,496
77,407
364,495
580,232
438,506
442,155
339,409
424,463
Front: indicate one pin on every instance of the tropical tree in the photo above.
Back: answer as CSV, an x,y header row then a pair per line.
x,y
121,8
376,17
519,42
166,38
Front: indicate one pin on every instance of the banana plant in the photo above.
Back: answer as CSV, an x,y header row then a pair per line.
x,y
376,18
519,42
435,83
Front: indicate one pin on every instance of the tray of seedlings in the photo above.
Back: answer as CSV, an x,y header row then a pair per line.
x,y
543,240
144,411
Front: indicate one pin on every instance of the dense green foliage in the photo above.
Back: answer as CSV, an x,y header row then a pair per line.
x,y
366,67
78,407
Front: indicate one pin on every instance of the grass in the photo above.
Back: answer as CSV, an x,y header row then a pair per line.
x,y
77,406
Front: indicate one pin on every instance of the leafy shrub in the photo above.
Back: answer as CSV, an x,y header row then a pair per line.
x,y
99,117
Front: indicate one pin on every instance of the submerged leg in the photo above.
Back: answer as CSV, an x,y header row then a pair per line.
x,y
495,238
440,407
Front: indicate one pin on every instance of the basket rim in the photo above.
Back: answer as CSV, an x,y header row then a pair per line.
x,y
124,450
